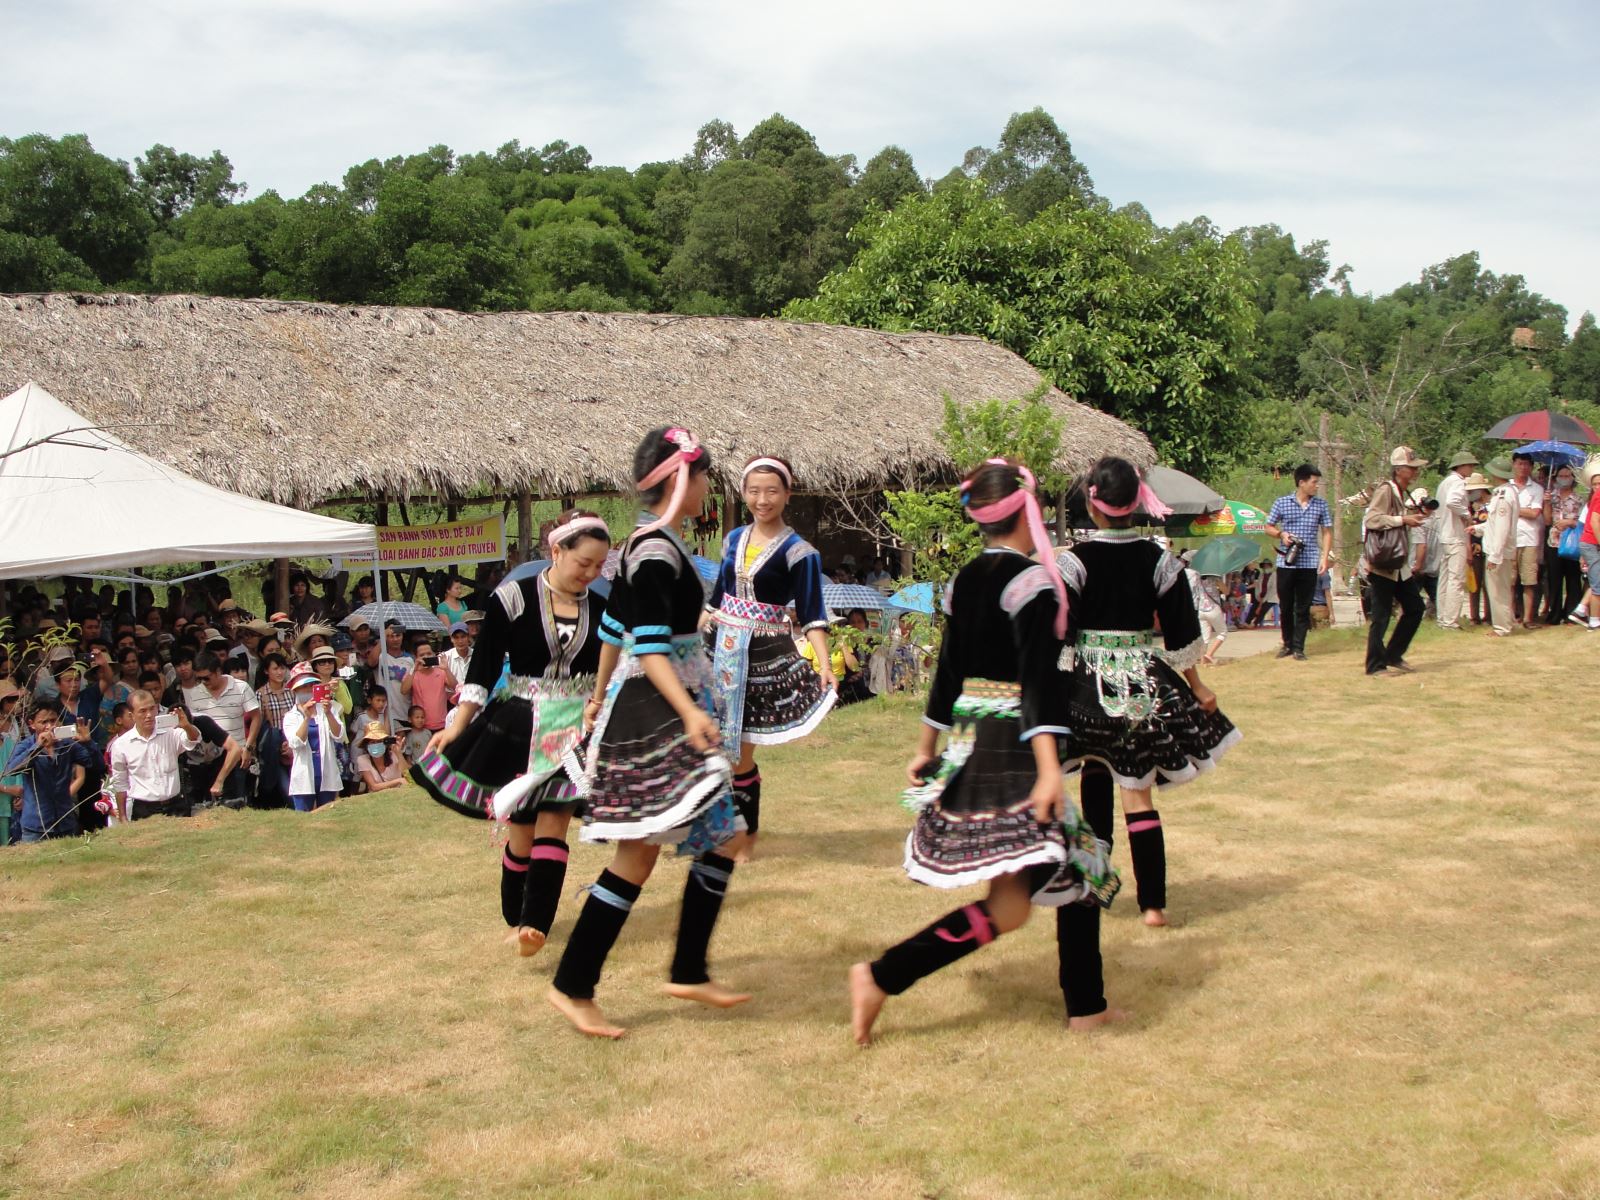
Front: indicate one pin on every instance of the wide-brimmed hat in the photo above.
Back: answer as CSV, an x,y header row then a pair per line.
x,y
1475,483
313,629
280,618
472,614
375,732
1499,468
1463,458
302,676
216,635
259,627
1405,456
229,605
140,631
1589,470
323,654
9,690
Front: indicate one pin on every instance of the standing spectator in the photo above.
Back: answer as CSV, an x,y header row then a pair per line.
x,y
12,731
1530,533
304,608
272,693
429,686
397,664
1563,577
234,707
1500,551
458,658
1589,546
52,774
379,763
144,763
1425,547
1300,521
418,735
1388,509
1455,518
454,605
314,729
325,664
374,712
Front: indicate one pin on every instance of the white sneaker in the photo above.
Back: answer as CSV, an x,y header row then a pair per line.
x,y
1594,622
1576,617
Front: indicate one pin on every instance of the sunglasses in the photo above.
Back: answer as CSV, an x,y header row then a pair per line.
x,y
199,678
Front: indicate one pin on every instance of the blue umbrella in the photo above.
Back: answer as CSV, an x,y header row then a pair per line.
x,y
842,597
600,587
914,597
1555,453
707,569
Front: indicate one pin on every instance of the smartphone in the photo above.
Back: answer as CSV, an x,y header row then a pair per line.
x,y
66,733
321,693
166,721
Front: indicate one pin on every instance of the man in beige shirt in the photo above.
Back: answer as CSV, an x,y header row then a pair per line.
x,y
1389,508
1500,547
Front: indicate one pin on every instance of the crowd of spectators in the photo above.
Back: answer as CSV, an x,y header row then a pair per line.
x,y
220,692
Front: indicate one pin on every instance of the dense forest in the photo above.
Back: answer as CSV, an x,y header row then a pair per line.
x,y
1226,347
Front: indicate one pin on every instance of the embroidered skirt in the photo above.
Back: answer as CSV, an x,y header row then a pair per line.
x,y
508,763
766,693
641,780
975,821
1128,708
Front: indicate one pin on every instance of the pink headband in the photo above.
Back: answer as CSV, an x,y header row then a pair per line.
x,y
1023,498
688,450
1146,499
767,464
578,525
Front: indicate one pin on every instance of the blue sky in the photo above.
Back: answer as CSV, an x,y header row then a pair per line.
x,y
1402,133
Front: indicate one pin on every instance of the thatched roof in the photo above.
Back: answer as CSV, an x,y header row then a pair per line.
x,y
298,402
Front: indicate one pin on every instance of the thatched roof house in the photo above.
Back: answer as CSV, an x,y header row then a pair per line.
x,y
297,402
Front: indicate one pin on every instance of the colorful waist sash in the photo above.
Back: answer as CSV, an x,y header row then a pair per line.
x,y
738,613
1120,661
989,698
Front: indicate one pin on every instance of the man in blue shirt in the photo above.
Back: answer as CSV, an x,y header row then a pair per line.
x,y
52,774
1304,528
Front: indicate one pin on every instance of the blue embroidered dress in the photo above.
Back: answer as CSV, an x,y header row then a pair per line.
x,y
766,693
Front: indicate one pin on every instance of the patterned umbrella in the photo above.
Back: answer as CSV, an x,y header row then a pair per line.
x,y
1232,517
412,616
914,597
842,597
1542,425
1554,453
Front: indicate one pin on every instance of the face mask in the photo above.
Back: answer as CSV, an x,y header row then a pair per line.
x,y
302,695
376,748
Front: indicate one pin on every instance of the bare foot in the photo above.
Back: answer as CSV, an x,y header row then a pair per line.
x,y
743,848
1084,1024
529,941
866,1002
585,1015
1153,916
710,993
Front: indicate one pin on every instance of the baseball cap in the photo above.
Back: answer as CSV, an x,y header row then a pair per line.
x,y
1405,456
459,627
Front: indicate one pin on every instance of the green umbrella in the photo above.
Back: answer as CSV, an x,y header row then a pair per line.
x,y
1224,554
1232,517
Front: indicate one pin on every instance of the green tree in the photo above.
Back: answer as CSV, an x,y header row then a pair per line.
x,y
61,195
1033,167
173,183
888,177
324,249
220,250
1154,327
1577,369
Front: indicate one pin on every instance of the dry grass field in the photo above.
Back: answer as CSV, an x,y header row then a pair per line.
x,y
1381,981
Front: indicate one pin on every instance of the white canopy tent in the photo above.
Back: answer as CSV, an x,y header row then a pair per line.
x,y
75,500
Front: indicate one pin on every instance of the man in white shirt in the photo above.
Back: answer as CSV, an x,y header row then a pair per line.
x,y
1530,532
237,712
1454,518
458,658
144,763
1499,532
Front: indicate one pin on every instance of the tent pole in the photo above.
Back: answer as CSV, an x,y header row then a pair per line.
x,y
383,652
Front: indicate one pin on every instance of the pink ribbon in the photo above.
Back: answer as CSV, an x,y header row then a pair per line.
x,y
688,450
1146,499
1025,499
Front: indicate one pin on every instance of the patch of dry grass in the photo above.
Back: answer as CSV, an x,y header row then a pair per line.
x,y
1380,982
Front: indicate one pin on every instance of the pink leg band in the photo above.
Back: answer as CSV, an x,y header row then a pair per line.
x,y
508,864
556,853
1141,826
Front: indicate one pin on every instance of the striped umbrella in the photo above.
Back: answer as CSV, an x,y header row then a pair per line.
x,y
1542,425
842,597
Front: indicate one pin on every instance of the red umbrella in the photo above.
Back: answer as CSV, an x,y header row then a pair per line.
x,y
1541,426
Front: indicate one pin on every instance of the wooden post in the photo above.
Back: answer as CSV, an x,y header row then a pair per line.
x,y
1061,518
525,524
383,519
450,511
1330,457
280,584
730,512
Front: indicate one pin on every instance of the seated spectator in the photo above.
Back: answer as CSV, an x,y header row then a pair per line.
x,y
379,763
52,772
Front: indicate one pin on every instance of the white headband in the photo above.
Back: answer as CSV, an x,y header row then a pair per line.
x,y
768,464
578,525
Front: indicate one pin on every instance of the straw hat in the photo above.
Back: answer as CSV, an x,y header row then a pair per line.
x,y
302,676
259,627
1476,483
313,629
324,654
8,690
1405,456
375,732
1589,470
